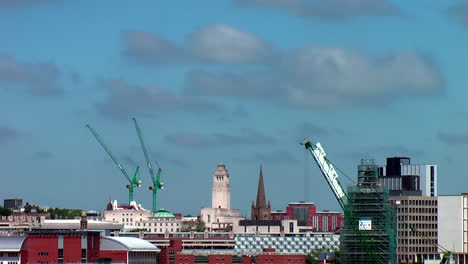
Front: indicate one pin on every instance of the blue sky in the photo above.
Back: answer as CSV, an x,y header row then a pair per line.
x,y
232,81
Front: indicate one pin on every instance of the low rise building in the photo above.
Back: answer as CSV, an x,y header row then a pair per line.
x,y
306,214
162,222
128,215
12,249
75,246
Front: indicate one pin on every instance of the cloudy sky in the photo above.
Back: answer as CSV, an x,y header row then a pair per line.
x,y
232,81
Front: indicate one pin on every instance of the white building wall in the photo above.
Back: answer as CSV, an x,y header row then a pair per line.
x,y
10,258
451,220
221,193
128,218
160,225
219,217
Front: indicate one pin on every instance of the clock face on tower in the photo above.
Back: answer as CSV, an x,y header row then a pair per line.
x,y
219,189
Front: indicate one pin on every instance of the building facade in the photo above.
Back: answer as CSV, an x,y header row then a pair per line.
x,y
128,215
453,225
220,217
369,231
307,215
417,228
162,222
13,204
406,179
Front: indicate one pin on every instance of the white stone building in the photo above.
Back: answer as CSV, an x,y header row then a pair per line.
x,y
220,217
128,215
162,222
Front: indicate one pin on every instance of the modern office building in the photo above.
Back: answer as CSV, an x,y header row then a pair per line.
x,y
405,179
13,204
417,225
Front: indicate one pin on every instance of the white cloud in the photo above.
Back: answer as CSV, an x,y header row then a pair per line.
x,y
332,76
225,44
215,43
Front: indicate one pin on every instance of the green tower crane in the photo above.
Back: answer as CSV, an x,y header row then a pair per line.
x,y
157,183
331,176
133,182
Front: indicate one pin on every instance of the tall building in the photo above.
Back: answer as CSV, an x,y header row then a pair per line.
x,y
260,210
416,228
220,217
368,235
221,193
406,179
13,204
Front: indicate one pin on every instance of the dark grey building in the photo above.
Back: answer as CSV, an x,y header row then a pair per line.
x,y
405,179
13,204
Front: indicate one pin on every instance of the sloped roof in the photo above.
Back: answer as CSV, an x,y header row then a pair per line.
x,y
126,243
11,243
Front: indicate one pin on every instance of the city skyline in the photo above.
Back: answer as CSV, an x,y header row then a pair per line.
x,y
238,82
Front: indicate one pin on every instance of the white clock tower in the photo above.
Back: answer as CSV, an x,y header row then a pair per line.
x,y
221,195
220,217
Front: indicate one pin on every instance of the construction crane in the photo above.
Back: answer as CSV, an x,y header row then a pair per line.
x,y
331,176
133,182
157,183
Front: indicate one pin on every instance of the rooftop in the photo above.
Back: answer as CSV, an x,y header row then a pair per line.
x,y
11,243
126,243
163,213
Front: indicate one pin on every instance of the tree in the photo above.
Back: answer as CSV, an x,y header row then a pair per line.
x,y
313,256
5,211
200,226
187,226
64,213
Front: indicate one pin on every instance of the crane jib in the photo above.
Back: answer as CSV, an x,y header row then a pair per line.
x,y
328,170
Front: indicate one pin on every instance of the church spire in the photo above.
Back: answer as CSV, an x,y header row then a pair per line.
x,y
261,200
260,209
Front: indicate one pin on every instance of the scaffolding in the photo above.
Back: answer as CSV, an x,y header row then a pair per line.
x,y
369,233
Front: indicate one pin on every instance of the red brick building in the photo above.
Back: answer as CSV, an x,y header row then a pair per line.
x,y
62,246
307,215
173,254
47,246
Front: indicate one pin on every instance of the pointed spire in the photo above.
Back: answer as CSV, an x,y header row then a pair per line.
x,y
261,200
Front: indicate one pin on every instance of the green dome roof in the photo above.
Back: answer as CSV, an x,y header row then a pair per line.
x,y
163,213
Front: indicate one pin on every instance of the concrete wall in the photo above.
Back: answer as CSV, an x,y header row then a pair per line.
x,y
450,222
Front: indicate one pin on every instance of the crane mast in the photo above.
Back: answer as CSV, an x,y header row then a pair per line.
x,y
331,176
133,182
157,183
